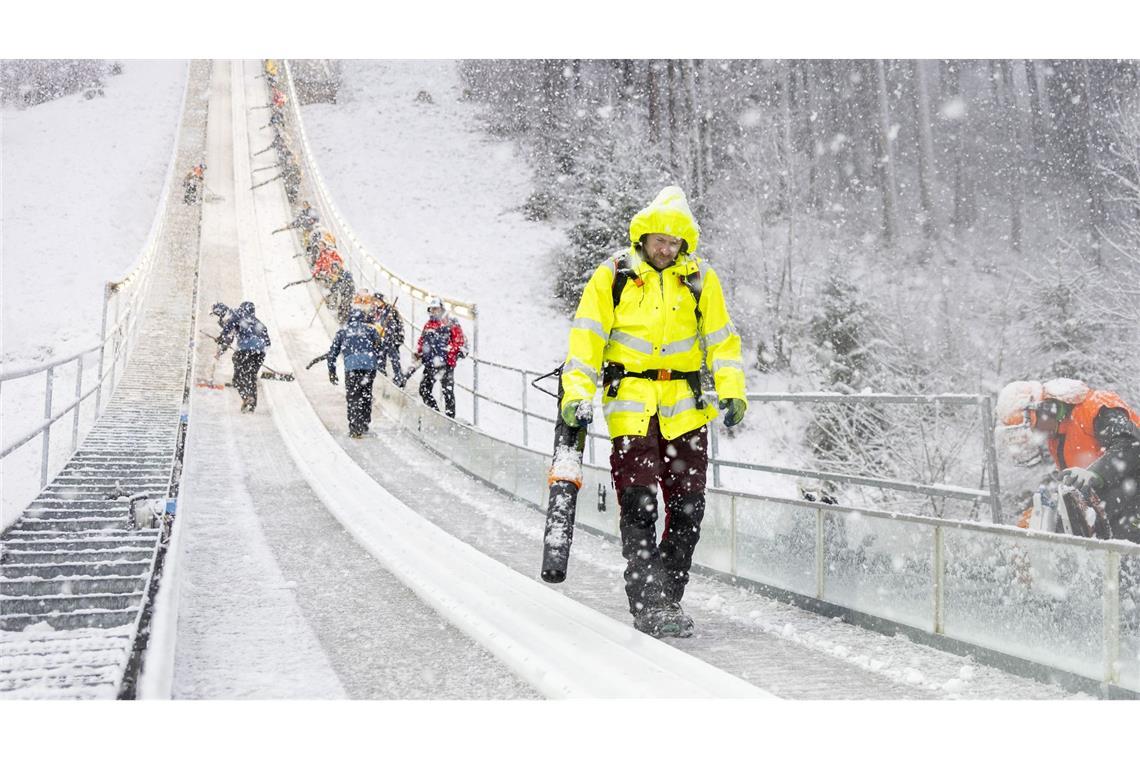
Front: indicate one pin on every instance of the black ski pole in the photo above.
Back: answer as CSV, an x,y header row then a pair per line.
x,y
298,282
320,358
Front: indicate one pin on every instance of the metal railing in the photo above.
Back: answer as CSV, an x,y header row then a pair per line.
x,y
118,328
1070,604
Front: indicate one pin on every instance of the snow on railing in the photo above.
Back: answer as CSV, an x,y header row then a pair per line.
x,y
117,333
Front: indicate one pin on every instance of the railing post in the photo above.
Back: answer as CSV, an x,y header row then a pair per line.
x,y
475,367
820,566
1111,607
526,436
991,459
78,395
714,453
939,581
47,430
732,536
102,347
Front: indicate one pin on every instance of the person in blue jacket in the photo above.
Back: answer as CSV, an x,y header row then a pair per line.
x,y
361,346
252,340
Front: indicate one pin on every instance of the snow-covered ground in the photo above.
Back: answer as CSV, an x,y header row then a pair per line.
x,y
81,179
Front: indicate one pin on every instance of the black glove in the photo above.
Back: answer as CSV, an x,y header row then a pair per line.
x,y
332,378
1082,479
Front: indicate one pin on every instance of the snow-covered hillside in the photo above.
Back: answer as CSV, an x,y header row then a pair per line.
x,y
81,179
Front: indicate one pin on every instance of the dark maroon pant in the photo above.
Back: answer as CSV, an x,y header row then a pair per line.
x,y
658,573
678,466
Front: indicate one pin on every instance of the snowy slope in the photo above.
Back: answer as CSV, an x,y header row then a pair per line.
x,y
80,182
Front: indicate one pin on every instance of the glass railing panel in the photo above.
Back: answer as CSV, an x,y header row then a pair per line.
x,y
715,547
775,544
1035,599
880,566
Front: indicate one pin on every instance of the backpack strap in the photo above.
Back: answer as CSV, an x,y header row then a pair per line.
x,y
623,272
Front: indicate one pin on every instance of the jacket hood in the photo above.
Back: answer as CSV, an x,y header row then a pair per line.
x,y
356,315
245,309
668,214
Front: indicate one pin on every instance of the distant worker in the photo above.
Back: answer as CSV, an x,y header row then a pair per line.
x,y
193,183
361,346
252,341
1093,437
393,338
342,289
306,220
440,347
224,314
327,257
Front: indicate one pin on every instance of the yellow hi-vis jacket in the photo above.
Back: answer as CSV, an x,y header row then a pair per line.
x,y
653,327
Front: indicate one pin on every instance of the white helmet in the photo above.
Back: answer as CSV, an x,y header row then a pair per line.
x,y
435,302
1013,427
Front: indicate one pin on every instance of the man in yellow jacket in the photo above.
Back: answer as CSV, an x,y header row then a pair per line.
x,y
647,318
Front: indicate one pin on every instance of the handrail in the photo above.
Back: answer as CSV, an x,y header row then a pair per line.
x,y
16,374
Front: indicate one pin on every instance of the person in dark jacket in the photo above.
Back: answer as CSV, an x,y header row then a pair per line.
x,y
341,293
224,314
360,345
440,347
393,338
252,340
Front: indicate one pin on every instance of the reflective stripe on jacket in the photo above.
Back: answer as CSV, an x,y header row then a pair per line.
x,y
653,327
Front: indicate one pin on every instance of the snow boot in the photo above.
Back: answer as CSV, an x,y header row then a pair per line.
x,y
684,623
657,622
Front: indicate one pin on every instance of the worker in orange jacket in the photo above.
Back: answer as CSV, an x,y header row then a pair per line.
x,y
1093,437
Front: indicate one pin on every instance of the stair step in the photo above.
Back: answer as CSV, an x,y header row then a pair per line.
x,y
98,542
66,621
40,605
70,525
12,587
76,568
131,554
